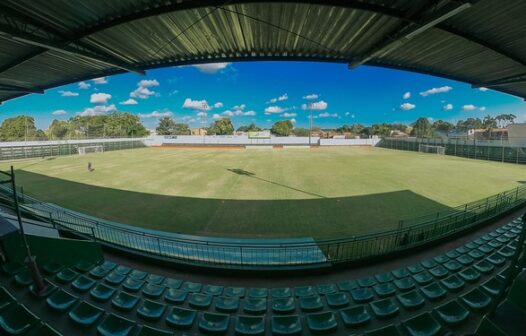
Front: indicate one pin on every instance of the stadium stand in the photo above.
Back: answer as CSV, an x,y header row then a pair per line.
x,y
443,294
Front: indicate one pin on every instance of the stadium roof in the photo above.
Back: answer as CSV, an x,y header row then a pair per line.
x,y
44,44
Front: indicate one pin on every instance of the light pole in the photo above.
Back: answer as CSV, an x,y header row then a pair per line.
x,y
310,124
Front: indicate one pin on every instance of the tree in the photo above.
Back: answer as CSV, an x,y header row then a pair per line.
x,y
221,126
357,129
422,128
344,129
58,129
470,123
250,128
181,129
301,132
443,126
117,124
503,120
282,128
18,128
166,125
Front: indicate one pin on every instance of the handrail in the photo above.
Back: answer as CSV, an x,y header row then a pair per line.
x,y
251,253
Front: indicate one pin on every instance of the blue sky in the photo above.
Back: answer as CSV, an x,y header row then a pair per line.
x,y
264,92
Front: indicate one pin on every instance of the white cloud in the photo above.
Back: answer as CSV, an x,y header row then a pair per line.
x,y
311,96
293,120
68,94
218,105
100,80
216,116
483,89
155,114
142,91
289,115
100,98
448,107
274,109
442,89
317,106
407,95
407,106
202,115
228,113
469,107
211,68
197,105
98,110
327,115
84,86
280,98
148,83
249,113
482,108
173,92
129,102
59,112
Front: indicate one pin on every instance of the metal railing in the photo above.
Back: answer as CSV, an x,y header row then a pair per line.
x,y
278,254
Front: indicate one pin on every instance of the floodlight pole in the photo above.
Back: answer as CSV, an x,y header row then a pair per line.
x,y
310,124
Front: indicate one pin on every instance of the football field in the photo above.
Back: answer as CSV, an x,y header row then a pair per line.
x,y
320,193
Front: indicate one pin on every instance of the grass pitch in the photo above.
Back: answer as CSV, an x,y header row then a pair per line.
x,y
321,193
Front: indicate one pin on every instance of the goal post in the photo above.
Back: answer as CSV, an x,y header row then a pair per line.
x,y
90,149
440,150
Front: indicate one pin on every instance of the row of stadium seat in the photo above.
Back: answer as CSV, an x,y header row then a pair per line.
x,y
425,298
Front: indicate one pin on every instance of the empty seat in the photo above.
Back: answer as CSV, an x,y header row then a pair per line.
x,y
102,292
132,285
439,271
385,308
43,329
258,293
124,301
138,275
496,259
83,284
114,325
114,278
493,286
61,300
465,260
201,301
441,259
23,278
337,300
346,285
411,300
99,272
422,325
304,291
191,287
175,296
384,289
325,289
311,303
361,295
284,305
429,263
281,293
238,292
388,330
214,323
227,304
476,254
433,292
66,275
181,317
255,306
414,269
355,316
469,275
506,252
122,270
85,314
321,322
400,273
172,283
484,267
453,283
17,320
463,249
155,279
452,254
366,281
452,313
84,266
453,265
423,278
109,265
52,267
151,310
250,325
476,300
384,277
213,290
153,291
405,284
286,325
150,331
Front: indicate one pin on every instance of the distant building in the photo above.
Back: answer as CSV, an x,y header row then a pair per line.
x,y
495,134
198,131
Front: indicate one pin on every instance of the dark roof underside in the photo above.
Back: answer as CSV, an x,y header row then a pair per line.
x,y
44,44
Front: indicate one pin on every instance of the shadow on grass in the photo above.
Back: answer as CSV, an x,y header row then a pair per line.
x,y
318,218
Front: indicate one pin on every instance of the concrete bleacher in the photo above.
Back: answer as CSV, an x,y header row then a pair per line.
x,y
449,292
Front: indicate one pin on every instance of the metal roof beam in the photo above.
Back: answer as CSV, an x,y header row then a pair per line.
x,y
502,81
15,88
410,31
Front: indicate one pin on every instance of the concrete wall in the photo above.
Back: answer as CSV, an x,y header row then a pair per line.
x,y
64,142
245,140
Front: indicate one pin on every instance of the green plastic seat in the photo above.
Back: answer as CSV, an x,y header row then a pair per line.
x,y
61,300
213,290
227,304
385,308
102,292
255,306
99,272
506,252
439,271
452,254
493,286
11,268
85,314
43,329
114,325
452,313
108,265
83,284
114,278
323,322
66,275
411,300
153,291
52,267
212,323
384,289
476,254
283,306
150,331
191,287
470,245
414,269
338,300
476,300
479,242
389,330
429,264
366,281
238,292
469,275
463,249
347,285
453,266
325,289
485,249
124,270
453,283
496,259
151,310
423,278
172,283
355,316
84,266
495,243
384,277
400,273
278,293
422,325
6,299
138,275
181,318
258,293
201,301
304,291
286,325
433,292
175,296
484,267
311,303
124,301
250,325
441,259
405,284
155,279
465,260
362,295
23,278
17,320
132,285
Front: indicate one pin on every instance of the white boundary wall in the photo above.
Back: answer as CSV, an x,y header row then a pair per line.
x,y
349,142
67,142
245,140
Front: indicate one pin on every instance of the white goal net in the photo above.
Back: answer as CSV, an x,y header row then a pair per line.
x,y
90,149
441,150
